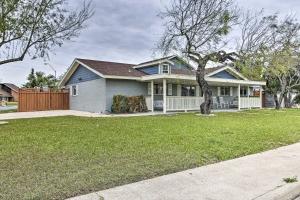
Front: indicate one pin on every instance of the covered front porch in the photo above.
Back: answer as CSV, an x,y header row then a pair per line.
x,y
169,95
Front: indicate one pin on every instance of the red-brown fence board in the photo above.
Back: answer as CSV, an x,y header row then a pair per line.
x,y
36,100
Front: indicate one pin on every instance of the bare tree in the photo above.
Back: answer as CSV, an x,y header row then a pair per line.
x,y
34,27
269,49
196,28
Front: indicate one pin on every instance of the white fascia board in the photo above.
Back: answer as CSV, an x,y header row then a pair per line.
x,y
193,78
168,76
86,66
123,77
242,82
67,74
154,63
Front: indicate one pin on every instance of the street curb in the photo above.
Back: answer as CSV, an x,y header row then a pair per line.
x,y
292,194
285,192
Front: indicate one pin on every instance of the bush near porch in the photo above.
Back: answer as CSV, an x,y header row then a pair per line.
x,y
59,157
132,104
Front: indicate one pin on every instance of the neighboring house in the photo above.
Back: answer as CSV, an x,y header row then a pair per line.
x,y
9,92
168,84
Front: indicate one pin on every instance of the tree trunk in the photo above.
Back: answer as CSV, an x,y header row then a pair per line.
x,y
277,104
288,100
206,106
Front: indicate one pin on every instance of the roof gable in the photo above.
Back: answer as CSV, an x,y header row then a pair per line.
x,y
224,72
11,86
225,75
82,74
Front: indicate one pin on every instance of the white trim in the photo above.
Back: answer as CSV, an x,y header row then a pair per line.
x,y
76,87
76,63
122,77
161,68
96,72
197,90
239,97
155,62
231,91
178,89
229,68
219,91
193,78
152,96
260,97
149,88
165,95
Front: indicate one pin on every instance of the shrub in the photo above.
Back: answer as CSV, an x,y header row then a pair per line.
x,y
120,104
123,104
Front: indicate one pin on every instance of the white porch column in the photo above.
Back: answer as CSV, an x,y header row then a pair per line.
x,y
152,96
197,90
248,92
178,90
260,96
239,97
165,95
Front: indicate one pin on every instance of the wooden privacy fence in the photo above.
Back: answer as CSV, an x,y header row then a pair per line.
x,y
38,100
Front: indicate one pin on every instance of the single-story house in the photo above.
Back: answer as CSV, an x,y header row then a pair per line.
x,y
168,84
9,92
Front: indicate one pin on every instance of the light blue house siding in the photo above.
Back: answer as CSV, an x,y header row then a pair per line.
x,y
82,74
123,87
224,74
178,64
91,96
150,70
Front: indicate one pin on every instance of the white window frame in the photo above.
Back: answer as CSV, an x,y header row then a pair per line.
x,y
72,90
170,89
163,71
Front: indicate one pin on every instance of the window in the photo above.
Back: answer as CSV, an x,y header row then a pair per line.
x,y
188,90
225,91
170,89
243,92
158,89
165,69
74,90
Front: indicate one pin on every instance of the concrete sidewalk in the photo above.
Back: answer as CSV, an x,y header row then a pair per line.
x,y
254,177
54,113
57,113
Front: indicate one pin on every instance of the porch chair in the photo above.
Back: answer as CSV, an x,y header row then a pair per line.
x,y
216,103
223,103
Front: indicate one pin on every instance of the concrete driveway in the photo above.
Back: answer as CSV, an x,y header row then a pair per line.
x,y
254,177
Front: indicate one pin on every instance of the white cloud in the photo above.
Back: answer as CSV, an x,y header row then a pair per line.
x,y
121,31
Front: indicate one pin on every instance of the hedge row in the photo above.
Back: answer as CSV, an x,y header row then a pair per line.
x,y
124,104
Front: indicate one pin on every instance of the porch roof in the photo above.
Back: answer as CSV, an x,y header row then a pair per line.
x,y
210,80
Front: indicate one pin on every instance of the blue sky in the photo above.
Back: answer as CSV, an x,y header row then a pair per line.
x,y
121,31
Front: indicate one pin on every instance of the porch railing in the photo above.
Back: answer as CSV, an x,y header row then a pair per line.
x,y
184,103
250,102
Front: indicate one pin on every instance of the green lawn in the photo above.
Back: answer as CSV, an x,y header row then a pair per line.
x,y
55,158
